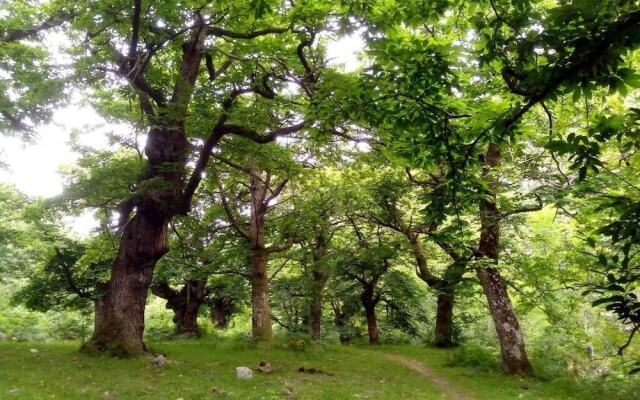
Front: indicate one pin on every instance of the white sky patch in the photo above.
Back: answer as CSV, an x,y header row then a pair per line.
x,y
345,52
33,167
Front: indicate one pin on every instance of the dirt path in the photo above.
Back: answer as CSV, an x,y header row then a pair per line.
x,y
451,390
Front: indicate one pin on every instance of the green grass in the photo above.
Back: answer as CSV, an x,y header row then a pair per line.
x,y
58,371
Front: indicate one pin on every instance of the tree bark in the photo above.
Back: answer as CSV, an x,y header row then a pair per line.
x,y
185,304
119,324
512,346
369,303
261,314
444,319
372,325
315,312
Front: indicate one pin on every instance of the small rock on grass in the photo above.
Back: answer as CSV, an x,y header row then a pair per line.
x,y
288,392
244,373
34,351
265,367
159,360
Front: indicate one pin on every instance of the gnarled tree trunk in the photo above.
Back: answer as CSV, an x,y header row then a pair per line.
x,y
119,323
185,304
120,326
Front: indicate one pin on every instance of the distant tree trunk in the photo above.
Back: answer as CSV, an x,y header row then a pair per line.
x,y
315,312
221,311
444,318
261,314
369,302
341,321
372,325
512,347
185,304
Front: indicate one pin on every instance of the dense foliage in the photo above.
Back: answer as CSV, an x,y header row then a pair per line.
x,y
473,182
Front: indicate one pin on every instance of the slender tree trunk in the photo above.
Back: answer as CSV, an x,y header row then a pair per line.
x,y
341,322
221,312
444,318
261,315
185,304
512,346
315,314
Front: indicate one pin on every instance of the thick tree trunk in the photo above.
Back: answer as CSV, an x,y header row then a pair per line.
x,y
444,319
512,347
372,325
119,324
315,312
221,311
261,315
185,304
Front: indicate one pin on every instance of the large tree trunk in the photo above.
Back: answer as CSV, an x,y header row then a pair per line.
x,y
119,324
444,318
143,242
261,315
512,347
221,312
315,312
185,304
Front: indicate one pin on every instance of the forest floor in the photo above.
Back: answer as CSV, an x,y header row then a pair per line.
x,y
205,369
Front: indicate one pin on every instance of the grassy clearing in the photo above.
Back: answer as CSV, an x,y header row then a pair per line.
x,y
58,371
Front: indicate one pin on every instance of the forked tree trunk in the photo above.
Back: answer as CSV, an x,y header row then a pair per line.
x,y
315,312
261,314
221,312
444,318
185,304
512,347
120,324
446,292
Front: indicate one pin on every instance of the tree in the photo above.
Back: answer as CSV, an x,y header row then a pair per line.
x,y
159,67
